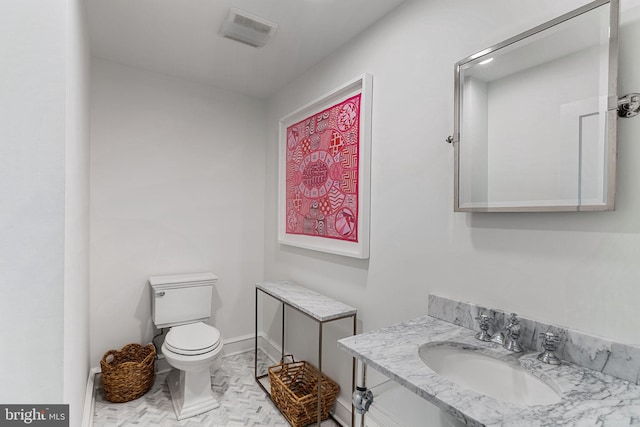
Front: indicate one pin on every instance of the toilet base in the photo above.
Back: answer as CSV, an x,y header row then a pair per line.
x,y
191,393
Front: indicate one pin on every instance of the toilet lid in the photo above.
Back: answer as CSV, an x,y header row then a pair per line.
x,y
193,339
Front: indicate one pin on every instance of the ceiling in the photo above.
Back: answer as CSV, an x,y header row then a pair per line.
x,y
180,37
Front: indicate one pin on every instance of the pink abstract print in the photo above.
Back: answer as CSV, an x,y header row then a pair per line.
x,y
322,173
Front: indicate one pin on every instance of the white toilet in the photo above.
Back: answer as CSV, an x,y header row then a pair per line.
x,y
183,302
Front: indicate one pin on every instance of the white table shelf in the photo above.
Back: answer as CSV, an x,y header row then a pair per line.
x,y
318,307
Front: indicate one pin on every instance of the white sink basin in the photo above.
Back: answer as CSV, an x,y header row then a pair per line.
x,y
471,368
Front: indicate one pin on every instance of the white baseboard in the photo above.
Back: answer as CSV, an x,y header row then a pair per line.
x,y
162,366
342,411
89,398
270,348
237,345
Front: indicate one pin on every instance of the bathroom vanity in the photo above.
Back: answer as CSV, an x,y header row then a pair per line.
x,y
577,395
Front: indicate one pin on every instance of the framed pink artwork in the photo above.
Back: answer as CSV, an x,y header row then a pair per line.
x,y
324,165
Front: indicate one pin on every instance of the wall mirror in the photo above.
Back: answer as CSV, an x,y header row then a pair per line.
x,y
535,118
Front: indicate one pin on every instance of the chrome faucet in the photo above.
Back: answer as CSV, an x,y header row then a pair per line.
x,y
509,336
499,337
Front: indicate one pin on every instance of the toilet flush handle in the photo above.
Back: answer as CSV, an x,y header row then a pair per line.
x,y
160,294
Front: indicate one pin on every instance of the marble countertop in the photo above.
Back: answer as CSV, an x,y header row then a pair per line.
x,y
313,304
588,397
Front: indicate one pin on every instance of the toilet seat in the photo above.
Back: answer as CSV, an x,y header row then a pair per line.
x,y
193,339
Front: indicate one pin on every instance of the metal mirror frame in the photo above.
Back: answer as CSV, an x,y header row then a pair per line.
x,y
611,119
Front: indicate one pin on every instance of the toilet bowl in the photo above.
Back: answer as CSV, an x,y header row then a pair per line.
x,y
192,347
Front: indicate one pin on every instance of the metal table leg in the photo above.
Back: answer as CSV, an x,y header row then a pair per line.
x,y
319,373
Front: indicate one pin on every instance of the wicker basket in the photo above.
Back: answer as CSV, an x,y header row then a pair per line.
x,y
128,373
294,389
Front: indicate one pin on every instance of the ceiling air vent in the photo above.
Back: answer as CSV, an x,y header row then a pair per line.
x,y
246,28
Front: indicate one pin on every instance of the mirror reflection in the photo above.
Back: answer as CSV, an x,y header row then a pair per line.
x,y
532,118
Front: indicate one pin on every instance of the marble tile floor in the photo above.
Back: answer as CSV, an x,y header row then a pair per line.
x,y
242,402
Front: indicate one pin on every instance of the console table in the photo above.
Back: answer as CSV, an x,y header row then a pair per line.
x,y
319,308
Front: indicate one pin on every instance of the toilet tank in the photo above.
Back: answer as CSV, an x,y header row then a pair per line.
x,y
179,299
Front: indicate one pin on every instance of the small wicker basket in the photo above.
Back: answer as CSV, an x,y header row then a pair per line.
x,y
294,389
128,373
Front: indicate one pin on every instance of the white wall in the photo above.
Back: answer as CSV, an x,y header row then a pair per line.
x,y
32,170
575,269
177,186
44,265
76,250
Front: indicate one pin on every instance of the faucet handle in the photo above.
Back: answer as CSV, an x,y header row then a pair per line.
x,y
484,321
550,343
483,335
513,326
513,319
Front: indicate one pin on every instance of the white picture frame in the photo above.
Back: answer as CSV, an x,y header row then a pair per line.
x,y
358,248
